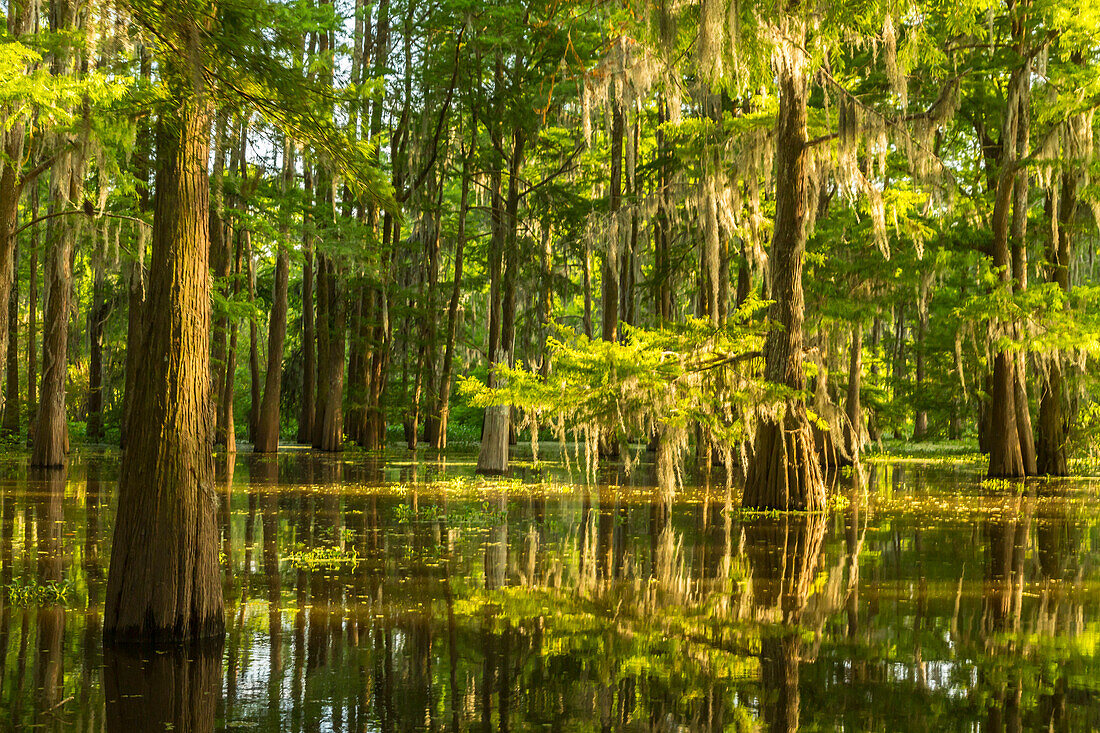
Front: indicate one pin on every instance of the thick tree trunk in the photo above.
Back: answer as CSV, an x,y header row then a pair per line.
x,y
267,426
164,583
784,473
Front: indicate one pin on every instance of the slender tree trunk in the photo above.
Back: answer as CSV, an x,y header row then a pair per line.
x,y
51,434
32,316
220,264
609,282
96,318
852,409
920,419
444,402
11,382
267,427
164,582
20,20
255,388
135,268
309,368
785,473
1051,453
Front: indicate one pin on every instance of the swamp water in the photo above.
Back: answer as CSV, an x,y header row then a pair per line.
x,y
369,594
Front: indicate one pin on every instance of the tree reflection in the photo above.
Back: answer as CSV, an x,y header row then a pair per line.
x,y
784,553
173,689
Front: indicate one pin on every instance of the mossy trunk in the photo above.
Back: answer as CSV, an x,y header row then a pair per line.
x,y
164,582
784,473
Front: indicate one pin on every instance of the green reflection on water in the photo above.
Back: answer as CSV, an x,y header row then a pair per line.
x,y
374,595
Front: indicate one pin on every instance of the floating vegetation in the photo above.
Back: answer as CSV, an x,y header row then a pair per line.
x,y
24,591
319,558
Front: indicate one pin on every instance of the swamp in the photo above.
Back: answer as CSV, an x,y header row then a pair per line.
x,y
394,594
473,365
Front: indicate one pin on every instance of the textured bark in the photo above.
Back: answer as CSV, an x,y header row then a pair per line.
x,y
51,432
784,473
267,427
164,583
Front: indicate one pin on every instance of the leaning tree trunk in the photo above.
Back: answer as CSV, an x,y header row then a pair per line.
x,y
164,583
785,473
267,425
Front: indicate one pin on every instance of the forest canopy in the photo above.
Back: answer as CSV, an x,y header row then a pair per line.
x,y
761,237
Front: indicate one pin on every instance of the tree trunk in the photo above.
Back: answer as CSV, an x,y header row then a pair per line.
x,y
267,426
309,369
220,265
96,318
20,20
854,428
11,382
920,419
784,473
443,407
1051,454
1011,446
51,433
255,389
135,270
164,583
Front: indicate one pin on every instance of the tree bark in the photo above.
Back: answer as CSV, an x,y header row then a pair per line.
x,y
164,583
784,473
51,433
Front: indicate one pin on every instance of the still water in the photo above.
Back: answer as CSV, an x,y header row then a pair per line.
x,y
389,594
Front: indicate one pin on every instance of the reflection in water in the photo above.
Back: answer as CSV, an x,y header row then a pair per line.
x,y
924,601
163,689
